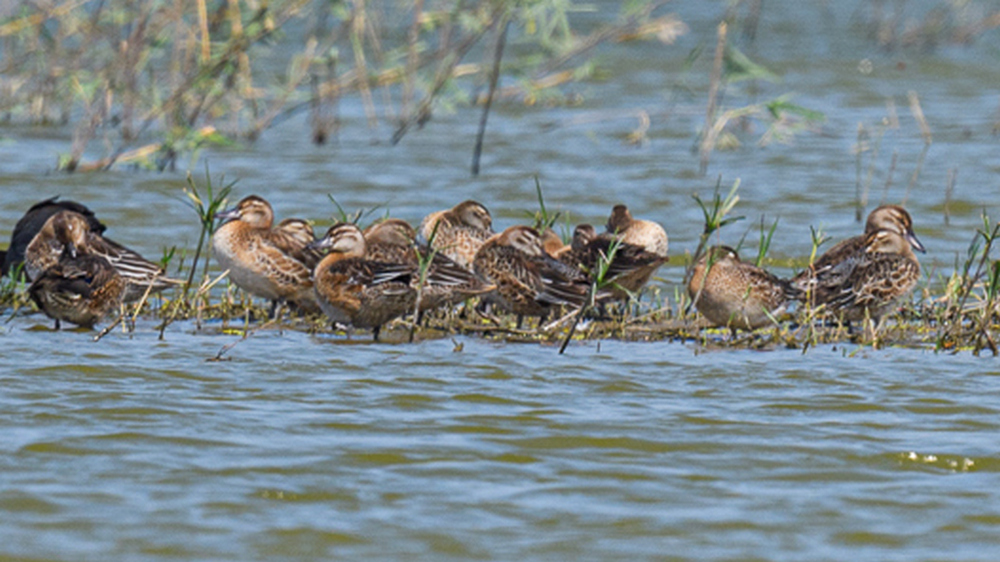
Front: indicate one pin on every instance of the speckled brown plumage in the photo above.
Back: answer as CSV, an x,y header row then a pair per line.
x,y
529,282
868,284
81,287
293,236
887,217
33,220
260,262
460,231
394,241
628,270
737,295
45,249
354,290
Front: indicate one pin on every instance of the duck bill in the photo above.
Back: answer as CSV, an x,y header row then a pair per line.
x,y
321,244
912,239
228,215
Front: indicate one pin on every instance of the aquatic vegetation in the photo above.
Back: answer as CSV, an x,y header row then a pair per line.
x,y
206,206
959,312
158,80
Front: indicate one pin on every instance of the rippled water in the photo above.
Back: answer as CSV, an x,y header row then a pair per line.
x,y
299,446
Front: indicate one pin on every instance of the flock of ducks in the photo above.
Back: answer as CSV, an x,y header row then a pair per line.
x,y
365,278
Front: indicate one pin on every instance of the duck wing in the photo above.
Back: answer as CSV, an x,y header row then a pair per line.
x,y
33,221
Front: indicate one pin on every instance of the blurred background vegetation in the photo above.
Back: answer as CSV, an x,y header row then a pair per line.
x,y
152,78
143,81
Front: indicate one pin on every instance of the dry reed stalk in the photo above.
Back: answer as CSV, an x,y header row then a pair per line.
x,y
948,191
752,21
411,60
357,44
707,139
888,178
916,173
893,115
206,40
859,149
17,26
445,70
667,28
918,114
87,128
494,78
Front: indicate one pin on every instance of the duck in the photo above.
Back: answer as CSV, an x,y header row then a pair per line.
x,y
33,220
82,287
528,281
886,217
459,232
552,244
867,285
646,234
629,266
141,275
353,290
263,262
639,232
737,295
391,240
394,241
293,236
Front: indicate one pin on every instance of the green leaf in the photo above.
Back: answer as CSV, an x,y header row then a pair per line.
x,y
782,105
739,67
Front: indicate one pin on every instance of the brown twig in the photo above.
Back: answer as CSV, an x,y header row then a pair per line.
x,y
948,191
494,78
713,94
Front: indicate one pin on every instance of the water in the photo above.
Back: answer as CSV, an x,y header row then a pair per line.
x,y
296,446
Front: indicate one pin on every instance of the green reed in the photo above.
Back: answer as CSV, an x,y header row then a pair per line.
x,y
424,261
599,282
543,220
206,206
960,323
716,213
765,241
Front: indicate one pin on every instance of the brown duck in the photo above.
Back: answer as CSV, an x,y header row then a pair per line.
x,y
394,241
81,287
645,234
627,266
140,274
33,221
263,262
459,232
867,285
355,291
733,294
887,217
529,282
